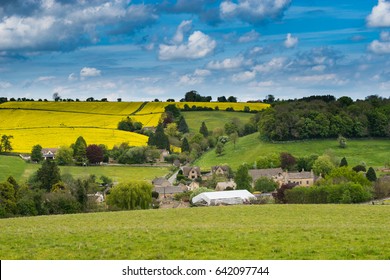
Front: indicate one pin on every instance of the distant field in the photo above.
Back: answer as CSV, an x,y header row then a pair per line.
x,y
261,232
20,170
110,108
212,119
373,152
158,107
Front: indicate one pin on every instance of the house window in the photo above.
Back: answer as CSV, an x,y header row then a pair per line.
x,y
307,182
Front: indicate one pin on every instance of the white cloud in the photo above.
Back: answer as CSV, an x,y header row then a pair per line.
x,y
385,36
249,37
319,79
89,72
263,84
184,27
380,15
64,25
274,64
198,46
228,63
45,78
290,41
244,76
379,47
72,77
5,85
196,78
319,68
253,11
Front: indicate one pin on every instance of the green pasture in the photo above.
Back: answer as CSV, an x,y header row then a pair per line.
x,y
213,119
373,152
270,232
21,170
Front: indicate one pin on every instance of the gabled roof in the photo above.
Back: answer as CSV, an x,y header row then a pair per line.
x,y
224,197
168,190
269,173
300,175
188,169
225,168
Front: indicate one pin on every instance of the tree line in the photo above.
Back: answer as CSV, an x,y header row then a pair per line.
x,y
325,117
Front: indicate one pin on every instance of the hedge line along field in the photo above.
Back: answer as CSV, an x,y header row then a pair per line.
x,y
158,107
255,232
25,139
21,171
373,152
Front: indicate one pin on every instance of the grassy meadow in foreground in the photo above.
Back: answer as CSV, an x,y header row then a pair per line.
x,y
237,232
20,170
373,152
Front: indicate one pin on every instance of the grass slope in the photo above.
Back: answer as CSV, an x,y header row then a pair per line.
x,y
20,170
240,232
373,152
213,119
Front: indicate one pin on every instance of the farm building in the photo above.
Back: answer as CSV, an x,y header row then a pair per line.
x,y
223,198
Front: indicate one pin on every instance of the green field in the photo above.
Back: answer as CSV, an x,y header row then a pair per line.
x,y
213,119
20,170
237,232
373,152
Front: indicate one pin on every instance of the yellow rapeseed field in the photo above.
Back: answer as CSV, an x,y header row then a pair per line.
x,y
25,139
111,108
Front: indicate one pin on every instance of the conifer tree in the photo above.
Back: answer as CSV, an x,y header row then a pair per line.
x,y
343,162
371,175
185,146
203,130
182,126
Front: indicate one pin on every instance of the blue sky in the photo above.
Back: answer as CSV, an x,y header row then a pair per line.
x,y
142,50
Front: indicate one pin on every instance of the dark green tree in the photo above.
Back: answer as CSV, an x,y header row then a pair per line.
x,y
159,138
242,178
264,184
234,138
219,148
185,146
36,153
5,144
174,110
203,130
371,175
80,151
182,126
48,174
343,162
7,199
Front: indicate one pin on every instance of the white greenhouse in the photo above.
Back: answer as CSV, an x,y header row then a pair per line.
x,y
223,198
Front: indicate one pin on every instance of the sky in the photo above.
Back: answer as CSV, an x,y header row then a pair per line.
x,y
142,50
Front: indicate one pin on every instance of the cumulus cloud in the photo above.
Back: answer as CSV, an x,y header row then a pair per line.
x,y
184,27
254,11
249,37
198,46
290,41
89,72
228,63
275,64
195,78
380,15
244,76
379,47
66,25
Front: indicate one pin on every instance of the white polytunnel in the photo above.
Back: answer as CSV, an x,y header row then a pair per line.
x,y
223,198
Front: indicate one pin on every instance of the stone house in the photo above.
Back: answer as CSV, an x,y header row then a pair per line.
x,y
191,172
49,153
221,186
